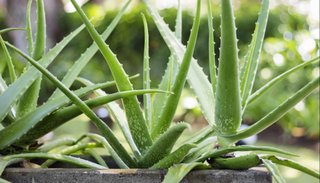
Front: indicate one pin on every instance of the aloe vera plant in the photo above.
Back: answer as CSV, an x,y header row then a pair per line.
x,y
149,132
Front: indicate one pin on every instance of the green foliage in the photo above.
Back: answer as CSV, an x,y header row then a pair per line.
x,y
152,142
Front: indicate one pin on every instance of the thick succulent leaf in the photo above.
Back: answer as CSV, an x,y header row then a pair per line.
x,y
137,123
104,129
251,68
96,156
17,131
274,170
7,57
15,90
228,100
146,74
40,42
225,150
212,61
162,146
29,100
70,150
58,157
177,172
277,113
106,145
202,148
196,77
29,27
119,117
12,113
174,158
2,31
85,57
277,79
171,104
292,164
48,146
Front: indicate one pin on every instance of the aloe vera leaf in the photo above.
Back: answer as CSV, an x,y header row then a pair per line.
x,y
29,27
48,146
63,115
29,100
177,172
69,150
196,77
292,164
162,146
277,79
228,105
7,56
2,31
12,113
25,129
174,158
170,74
5,163
171,104
16,89
119,117
199,136
146,74
106,145
96,156
277,113
274,170
137,123
104,129
202,148
212,60
58,157
236,163
251,68
81,62
40,42
225,150
178,26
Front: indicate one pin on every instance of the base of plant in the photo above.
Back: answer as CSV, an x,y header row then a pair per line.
x,y
19,175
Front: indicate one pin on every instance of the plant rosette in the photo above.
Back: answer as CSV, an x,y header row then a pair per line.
x,y
149,132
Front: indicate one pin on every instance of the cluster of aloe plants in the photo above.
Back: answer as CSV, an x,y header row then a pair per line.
x,y
149,131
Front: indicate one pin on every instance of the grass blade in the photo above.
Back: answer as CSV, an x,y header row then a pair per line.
x,y
196,77
292,164
81,62
162,146
212,61
104,129
137,123
171,104
274,170
146,74
228,105
277,79
250,71
277,113
15,90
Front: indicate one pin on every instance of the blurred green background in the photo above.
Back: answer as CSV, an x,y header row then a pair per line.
x,y
292,37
